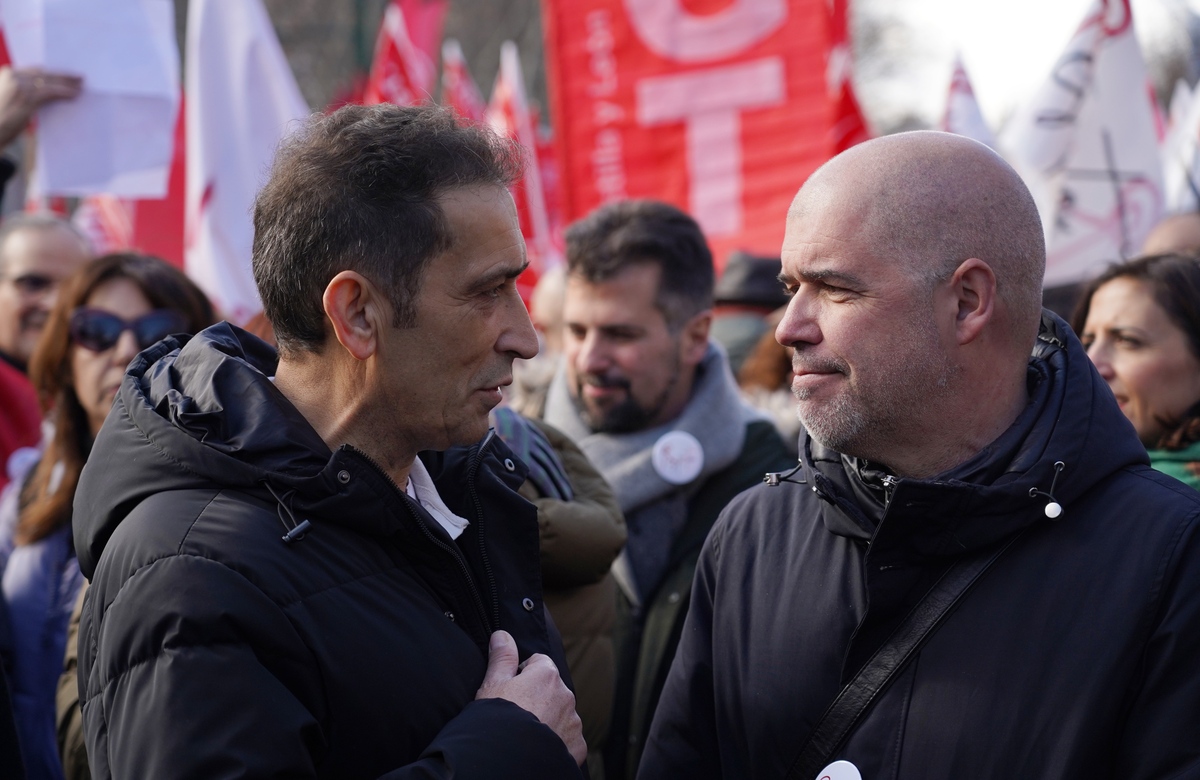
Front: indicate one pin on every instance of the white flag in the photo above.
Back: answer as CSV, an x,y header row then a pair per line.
x,y
243,99
117,136
963,116
1181,153
1087,147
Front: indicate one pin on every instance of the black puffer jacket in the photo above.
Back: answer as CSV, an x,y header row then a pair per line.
x,y
211,648
1074,656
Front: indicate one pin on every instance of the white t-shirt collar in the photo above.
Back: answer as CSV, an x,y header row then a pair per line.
x,y
421,489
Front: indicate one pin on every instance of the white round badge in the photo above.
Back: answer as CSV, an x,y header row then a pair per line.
x,y
678,457
839,770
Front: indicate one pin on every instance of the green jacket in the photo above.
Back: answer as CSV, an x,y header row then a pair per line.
x,y
1181,464
646,636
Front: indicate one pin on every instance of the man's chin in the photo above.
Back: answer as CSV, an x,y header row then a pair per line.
x,y
624,418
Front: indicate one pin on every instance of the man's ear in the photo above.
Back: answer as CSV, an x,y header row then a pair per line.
x,y
973,287
354,308
693,338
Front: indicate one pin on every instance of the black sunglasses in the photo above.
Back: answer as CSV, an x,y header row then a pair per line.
x,y
99,330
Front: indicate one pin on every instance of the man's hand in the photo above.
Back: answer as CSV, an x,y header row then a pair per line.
x,y
25,90
535,686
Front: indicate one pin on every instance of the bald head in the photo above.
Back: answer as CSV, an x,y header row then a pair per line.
x,y
932,200
546,306
37,251
1175,234
915,264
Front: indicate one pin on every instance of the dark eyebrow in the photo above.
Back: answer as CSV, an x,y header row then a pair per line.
x,y
824,276
497,276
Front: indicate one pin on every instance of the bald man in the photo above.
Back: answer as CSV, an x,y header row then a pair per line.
x,y
974,552
1176,233
37,251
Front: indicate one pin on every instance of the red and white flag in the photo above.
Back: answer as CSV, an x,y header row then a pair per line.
x,y
242,100
723,114
107,221
963,115
849,125
1086,145
509,115
403,70
459,90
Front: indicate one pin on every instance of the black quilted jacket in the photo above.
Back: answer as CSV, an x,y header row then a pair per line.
x,y
212,648
1076,656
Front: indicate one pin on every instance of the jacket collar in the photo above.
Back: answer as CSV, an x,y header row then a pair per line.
x,y
202,413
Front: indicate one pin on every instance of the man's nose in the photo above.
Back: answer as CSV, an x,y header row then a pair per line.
x,y
519,338
592,357
799,324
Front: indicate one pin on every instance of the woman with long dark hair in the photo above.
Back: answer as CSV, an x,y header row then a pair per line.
x,y
1140,323
107,312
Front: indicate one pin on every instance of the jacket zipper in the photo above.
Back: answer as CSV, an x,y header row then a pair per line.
x,y
472,472
889,488
450,549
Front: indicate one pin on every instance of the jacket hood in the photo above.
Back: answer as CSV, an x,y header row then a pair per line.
x,y
202,413
1072,418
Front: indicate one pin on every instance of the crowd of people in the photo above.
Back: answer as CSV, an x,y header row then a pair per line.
x,y
861,510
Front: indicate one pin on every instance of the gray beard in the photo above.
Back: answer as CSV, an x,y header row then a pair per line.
x,y
869,427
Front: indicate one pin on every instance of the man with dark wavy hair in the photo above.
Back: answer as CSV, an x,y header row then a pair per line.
x,y
316,564
651,401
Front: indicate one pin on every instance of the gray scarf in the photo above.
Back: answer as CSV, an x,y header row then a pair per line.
x,y
655,508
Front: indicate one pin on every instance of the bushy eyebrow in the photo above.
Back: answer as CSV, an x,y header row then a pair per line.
x,y
822,276
494,278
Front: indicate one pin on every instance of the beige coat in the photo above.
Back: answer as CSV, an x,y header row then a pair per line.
x,y
579,541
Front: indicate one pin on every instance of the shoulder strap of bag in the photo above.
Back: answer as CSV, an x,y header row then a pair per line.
x,y
857,697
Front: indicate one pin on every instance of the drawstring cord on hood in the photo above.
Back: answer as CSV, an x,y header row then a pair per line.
x,y
773,478
295,531
1054,509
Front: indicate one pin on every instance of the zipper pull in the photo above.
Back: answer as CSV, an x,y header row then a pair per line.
x,y
889,487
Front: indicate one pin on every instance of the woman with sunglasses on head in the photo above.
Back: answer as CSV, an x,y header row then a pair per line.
x,y
1140,324
107,312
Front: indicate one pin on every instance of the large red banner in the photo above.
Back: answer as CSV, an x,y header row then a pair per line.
x,y
721,107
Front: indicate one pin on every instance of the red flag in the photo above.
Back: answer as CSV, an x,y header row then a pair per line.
x,y
5,58
551,185
849,126
424,19
724,114
403,69
459,90
158,225
509,115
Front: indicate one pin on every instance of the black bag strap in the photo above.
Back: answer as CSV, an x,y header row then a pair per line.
x,y
857,697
